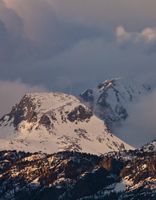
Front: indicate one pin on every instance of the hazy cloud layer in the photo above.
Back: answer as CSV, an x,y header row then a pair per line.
x,y
71,45
140,126
45,42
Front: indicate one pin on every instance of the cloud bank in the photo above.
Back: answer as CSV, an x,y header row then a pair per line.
x,y
148,35
72,45
45,42
140,126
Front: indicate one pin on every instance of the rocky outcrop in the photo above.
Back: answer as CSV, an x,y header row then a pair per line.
x,y
52,122
110,100
67,175
79,113
24,111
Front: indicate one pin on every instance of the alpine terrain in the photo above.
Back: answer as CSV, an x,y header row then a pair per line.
x,y
125,175
111,99
57,146
52,122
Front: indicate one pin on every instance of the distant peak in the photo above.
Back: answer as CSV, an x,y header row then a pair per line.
x,y
150,146
108,83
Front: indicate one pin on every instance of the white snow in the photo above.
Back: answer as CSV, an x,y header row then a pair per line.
x,y
34,137
120,187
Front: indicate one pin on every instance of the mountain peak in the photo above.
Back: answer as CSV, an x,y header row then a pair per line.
x,y
52,122
110,100
108,83
150,147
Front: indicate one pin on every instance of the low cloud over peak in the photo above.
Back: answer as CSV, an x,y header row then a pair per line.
x,y
12,91
72,45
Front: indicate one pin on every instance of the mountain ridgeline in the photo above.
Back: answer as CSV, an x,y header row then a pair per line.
x,y
61,147
52,122
111,99
125,175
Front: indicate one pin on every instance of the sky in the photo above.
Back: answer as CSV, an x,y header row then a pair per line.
x,y
70,45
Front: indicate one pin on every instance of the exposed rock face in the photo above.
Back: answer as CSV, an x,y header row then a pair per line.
x,y
45,121
149,147
52,122
110,100
25,110
112,164
80,113
78,176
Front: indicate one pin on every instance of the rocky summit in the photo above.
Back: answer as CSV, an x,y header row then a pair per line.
x,y
111,99
52,122
60,147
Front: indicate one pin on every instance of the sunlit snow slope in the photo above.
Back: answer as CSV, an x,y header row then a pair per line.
x,y
51,122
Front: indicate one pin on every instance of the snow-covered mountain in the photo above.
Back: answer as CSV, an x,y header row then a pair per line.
x,y
127,175
52,122
150,147
111,99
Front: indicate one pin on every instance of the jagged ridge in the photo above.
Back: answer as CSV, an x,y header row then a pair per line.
x,y
111,98
52,122
78,176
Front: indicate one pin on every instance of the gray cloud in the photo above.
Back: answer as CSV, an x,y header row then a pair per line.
x,y
37,32
72,45
44,42
132,14
140,126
